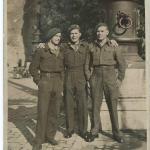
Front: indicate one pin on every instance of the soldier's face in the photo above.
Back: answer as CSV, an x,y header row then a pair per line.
x,y
102,33
56,39
75,35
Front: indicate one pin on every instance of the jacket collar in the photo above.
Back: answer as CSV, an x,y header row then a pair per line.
x,y
101,45
79,44
47,48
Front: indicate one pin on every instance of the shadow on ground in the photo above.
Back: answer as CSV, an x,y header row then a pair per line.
x,y
24,118
134,140
22,113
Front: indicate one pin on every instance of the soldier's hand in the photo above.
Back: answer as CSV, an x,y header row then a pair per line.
x,y
36,81
62,93
88,84
89,74
41,45
88,77
114,43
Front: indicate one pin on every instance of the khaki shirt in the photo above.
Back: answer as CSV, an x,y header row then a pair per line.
x,y
74,58
44,60
106,55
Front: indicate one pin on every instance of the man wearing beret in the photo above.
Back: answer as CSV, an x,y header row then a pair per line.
x,y
104,58
47,71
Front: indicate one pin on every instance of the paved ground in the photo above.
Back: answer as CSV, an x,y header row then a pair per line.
x,y
22,105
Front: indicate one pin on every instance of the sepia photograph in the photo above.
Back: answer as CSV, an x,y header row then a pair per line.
x,y
75,75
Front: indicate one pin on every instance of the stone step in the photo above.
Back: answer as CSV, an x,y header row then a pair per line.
x,y
127,119
128,105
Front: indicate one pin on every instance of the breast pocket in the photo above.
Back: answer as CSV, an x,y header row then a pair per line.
x,y
61,60
96,56
45,57
108,55
81,57
45,60
69,58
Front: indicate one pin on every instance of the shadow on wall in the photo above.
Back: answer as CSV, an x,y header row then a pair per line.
x,y
27,28
123,114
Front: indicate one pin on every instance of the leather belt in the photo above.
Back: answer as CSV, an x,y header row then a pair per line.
x,y
50,74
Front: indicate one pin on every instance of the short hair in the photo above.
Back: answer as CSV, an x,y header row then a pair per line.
x,y
100,25
74,26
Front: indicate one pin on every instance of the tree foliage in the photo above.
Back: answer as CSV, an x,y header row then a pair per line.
x,y
63,13
141,34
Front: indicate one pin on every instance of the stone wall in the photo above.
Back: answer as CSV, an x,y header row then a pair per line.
x,y
132,109
19,31
15,46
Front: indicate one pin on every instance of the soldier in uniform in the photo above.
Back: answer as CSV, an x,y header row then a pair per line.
x,y
47,71
104,58
75,55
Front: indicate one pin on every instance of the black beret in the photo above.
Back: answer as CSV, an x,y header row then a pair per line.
x,y
50,33
73,26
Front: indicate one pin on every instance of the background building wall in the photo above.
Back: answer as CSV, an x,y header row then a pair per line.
x,y
15,46
19,31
